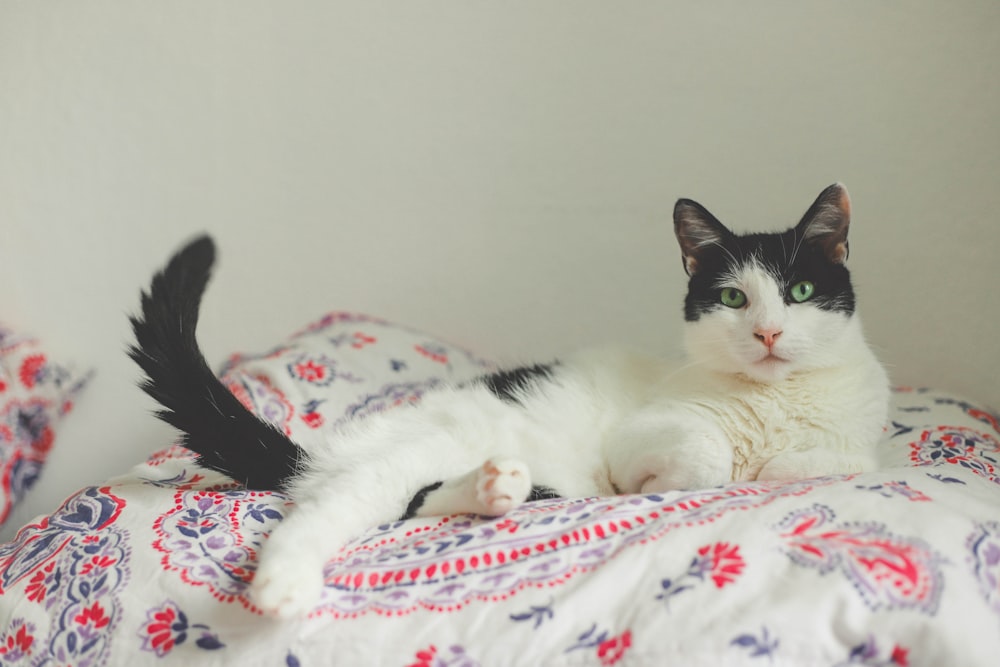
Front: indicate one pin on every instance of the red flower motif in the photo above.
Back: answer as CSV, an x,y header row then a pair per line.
x,y
726,562
36,589
93,614
97,562
310,371
31,368
425,658
900,656
17,644
160,629
313,419
610,651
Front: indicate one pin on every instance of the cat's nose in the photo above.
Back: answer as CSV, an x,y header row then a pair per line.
x,y
767,336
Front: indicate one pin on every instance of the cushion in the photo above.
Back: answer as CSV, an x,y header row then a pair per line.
x,y
35,393
894,567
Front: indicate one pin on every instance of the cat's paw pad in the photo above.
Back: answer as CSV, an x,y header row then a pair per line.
x,y
502,485
286,590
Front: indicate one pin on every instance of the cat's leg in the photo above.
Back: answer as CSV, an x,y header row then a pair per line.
x,y
364,482
368,475
289,578
492,489
665,449
816,462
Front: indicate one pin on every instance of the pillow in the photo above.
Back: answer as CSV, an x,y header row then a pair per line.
x,y
893,567
343,366
35,393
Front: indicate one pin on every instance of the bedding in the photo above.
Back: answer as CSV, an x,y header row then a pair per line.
x,y
895,567
35,393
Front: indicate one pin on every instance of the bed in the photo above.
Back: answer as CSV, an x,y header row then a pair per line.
x,y
896,567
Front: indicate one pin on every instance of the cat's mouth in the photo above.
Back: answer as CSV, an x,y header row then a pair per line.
x,y
772,358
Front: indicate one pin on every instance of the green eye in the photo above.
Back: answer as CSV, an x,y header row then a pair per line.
x,y
733,297
802,291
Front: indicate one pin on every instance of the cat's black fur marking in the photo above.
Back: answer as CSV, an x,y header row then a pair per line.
x,y
225,435
418,500
788,256
544,493
508,385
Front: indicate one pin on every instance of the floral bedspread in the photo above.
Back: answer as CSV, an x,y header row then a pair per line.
x,y
896,567
35,393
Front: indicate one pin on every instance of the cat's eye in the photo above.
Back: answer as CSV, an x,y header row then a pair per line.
x,y
802,291
733,297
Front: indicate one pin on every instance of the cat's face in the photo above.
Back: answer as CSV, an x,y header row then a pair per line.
x,y
768,305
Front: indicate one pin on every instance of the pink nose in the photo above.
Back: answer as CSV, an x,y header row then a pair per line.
x,y
767,336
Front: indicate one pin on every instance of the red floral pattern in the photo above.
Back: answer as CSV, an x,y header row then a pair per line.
x,y
726,562
612,650
18,642
658,574
34,394
888,571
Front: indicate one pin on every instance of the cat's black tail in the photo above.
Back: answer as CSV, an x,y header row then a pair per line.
x,y
226,436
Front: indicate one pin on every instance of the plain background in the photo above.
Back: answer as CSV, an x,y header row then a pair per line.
x,y
501,174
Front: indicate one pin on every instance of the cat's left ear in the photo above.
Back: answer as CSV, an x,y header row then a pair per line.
x,y
825,223
697,230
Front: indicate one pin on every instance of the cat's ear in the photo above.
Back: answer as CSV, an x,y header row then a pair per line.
x,y
825,223
696,230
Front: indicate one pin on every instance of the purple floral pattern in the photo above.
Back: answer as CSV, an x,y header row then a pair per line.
x,y
167,627
586,581
962,446
984,556
204,538
35,392
73,565
720,563
887,571
390,396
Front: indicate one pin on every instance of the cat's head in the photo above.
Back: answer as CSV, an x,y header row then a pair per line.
x,y
768,305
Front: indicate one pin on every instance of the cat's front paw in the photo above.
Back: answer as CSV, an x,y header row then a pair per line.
x,y
815,462
664,472
286,589
502,485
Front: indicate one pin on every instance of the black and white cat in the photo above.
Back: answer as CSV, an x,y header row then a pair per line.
x,y
778,384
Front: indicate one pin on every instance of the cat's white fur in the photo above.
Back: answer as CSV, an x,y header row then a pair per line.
x,y
771,391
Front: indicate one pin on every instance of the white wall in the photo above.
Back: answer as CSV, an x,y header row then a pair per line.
x,y
501,173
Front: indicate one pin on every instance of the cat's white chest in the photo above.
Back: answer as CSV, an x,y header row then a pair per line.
x,y
837,411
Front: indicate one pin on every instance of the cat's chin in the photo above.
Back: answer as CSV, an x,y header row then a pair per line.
x,y
769,370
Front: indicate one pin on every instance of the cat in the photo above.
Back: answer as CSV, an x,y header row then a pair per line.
x,y
778,384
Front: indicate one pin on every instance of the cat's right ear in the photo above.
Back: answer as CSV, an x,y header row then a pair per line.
x,y
696,230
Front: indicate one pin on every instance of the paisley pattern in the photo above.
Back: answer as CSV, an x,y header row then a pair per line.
x,y
970,448
888,572
204,538
984,558
458,560
73,567
896,567
35,392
